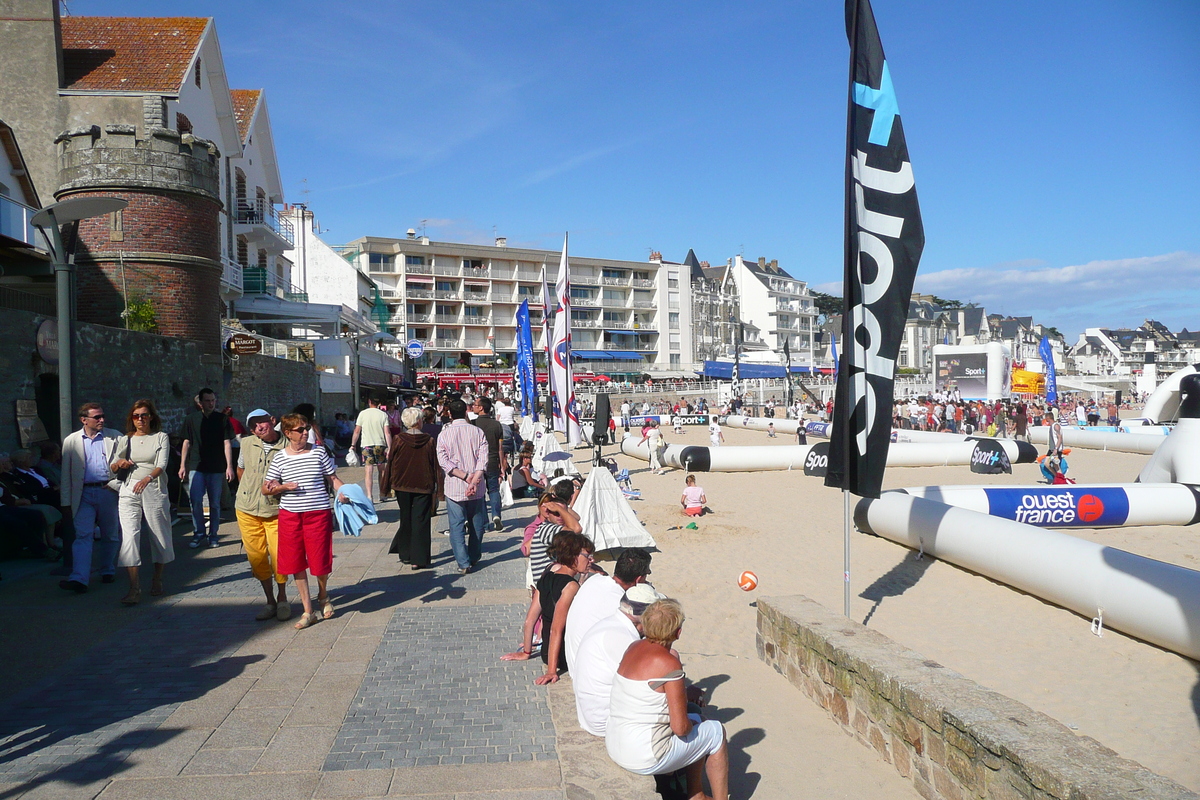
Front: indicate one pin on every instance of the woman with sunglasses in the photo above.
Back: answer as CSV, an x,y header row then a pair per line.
x,y
297,475
143,451
556,589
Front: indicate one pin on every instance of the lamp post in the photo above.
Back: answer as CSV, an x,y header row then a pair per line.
x,y
379,336
47,221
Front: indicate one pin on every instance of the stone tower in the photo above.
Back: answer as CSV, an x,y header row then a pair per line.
x,y
165,246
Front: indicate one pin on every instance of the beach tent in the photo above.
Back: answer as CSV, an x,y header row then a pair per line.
x,y
544,446
529,427
606,516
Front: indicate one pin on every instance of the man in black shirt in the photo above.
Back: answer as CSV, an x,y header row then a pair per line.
x,y
497,467
208,455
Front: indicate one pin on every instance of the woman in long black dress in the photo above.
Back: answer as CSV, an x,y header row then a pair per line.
x,y
412,472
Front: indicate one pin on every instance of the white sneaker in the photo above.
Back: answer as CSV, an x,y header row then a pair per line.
x,y
268,612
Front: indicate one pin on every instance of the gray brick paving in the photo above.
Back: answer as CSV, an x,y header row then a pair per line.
x,y
437,693
111,701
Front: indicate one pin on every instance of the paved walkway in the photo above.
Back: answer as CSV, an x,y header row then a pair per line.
x,y
187,696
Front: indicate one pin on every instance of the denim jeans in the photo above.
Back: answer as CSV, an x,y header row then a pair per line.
x,y
209,483
467,520
97,509
493,493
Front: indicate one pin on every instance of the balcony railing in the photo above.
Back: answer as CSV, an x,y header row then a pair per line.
x,y
418,269
476,296
448,319
231,274
643,283
15,223
615,281
643,304
415,318
446,270
586,323
503,297
263,214
477,320
424,294
447,344
590,302
645,326
476,272
525,275
442,294
589,280
256,280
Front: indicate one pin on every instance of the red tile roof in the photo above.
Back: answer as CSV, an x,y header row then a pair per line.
x,y
130,54
244,103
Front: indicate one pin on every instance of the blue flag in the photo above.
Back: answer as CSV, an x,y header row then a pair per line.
x,y
1047,354
526,376
833,348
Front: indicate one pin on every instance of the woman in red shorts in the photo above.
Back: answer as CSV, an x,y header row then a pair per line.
x,y
297,474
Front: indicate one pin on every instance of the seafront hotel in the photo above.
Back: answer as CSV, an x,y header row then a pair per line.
x,y
461,300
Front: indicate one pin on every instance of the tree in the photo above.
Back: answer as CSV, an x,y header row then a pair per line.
x,y
827,304
937,301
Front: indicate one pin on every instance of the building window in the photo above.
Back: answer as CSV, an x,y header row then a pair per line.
x,y
197,77
446,311
674,359
577,315
613,273
904,358
472,263
672,299
379,262
414,261
613,294
585,294
531,291
673,320
615,317
473,311
672,280
445,286
674,341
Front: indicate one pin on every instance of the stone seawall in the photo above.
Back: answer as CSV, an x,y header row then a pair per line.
x,y
951,737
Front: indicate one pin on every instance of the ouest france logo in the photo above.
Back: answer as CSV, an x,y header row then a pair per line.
x,y
1060,507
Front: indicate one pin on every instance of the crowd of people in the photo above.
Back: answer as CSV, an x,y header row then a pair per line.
x,y
1004,418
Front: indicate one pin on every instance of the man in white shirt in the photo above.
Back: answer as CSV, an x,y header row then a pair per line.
x,y
600,654
625,416
599,595
371,428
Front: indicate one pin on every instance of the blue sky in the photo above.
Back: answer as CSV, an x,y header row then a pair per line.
x,y
1054,144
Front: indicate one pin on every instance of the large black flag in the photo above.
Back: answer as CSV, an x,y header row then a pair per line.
x,y
884,239
787,370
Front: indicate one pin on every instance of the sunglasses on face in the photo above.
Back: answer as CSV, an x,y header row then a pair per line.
x,y
142,416
94,416
298,430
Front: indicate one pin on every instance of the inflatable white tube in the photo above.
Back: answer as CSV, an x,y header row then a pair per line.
x,y
1163,405
787,457
761,423
1178,458
1149,599
1144,443
1114,505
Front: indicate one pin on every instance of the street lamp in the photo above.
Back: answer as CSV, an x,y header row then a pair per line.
x,y
379,336
47,221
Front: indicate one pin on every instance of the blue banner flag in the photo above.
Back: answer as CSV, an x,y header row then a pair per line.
x,y
884,238
1047,354
526,376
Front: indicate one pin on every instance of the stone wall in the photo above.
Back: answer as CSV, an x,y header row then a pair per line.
x,y
951,737
115,367
276,384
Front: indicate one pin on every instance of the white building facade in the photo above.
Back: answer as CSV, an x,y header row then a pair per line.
x,y
780,306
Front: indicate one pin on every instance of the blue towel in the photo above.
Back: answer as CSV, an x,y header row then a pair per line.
x,y
359,512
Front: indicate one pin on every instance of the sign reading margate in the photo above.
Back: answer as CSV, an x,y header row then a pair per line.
x,y
1061,507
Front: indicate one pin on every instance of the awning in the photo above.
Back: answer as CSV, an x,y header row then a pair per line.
x,y
724,369
623,333
625,355
592,355
487,352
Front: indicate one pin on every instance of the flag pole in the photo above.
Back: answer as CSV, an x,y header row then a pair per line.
x,y
842,388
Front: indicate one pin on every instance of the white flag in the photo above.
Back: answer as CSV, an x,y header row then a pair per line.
x,y
562,384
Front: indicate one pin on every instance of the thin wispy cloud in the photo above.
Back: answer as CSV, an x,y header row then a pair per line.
x,y
571,163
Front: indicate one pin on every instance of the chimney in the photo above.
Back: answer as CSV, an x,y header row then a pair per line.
x,y
656,256
501,241
775,263
704,265
762,262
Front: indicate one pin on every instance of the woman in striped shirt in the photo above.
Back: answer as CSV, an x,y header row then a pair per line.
x,y
297,474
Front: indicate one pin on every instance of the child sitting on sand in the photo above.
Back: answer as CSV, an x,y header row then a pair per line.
x,y
693,498
770,430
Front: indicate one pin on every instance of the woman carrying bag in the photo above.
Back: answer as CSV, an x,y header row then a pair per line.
x,y
412,472
141,466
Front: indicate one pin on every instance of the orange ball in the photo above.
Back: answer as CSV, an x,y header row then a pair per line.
x,y
748,581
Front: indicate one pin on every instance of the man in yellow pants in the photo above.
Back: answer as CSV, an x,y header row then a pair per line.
x,y
258,514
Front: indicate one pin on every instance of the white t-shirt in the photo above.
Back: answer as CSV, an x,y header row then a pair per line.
x,y
595,666
596,599
374,424
504,413
624,409
714,434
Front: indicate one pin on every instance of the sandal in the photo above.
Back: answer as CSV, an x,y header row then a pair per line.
x,y
156,589
307,620
326,608
132,599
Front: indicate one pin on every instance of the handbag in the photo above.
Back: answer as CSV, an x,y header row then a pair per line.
x,y
506,495
124,472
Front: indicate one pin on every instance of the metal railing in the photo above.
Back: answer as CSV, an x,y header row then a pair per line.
x,y
426,318
523,275
426,294
590,302
476,320
263,214
476,272
443,294
643,283
452,271
448,344
615,281
231,274
643,304
503,297
257,280
586,323
418,269
645,326
447,319
17,300
15,223
479,296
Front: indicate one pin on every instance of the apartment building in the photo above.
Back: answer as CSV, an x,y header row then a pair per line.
x,y
779,305
715,310
461,300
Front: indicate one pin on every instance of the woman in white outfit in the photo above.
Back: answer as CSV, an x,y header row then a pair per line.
x,y
144,451
649,729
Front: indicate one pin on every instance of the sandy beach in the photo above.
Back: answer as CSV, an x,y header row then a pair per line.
x,y
1135,698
